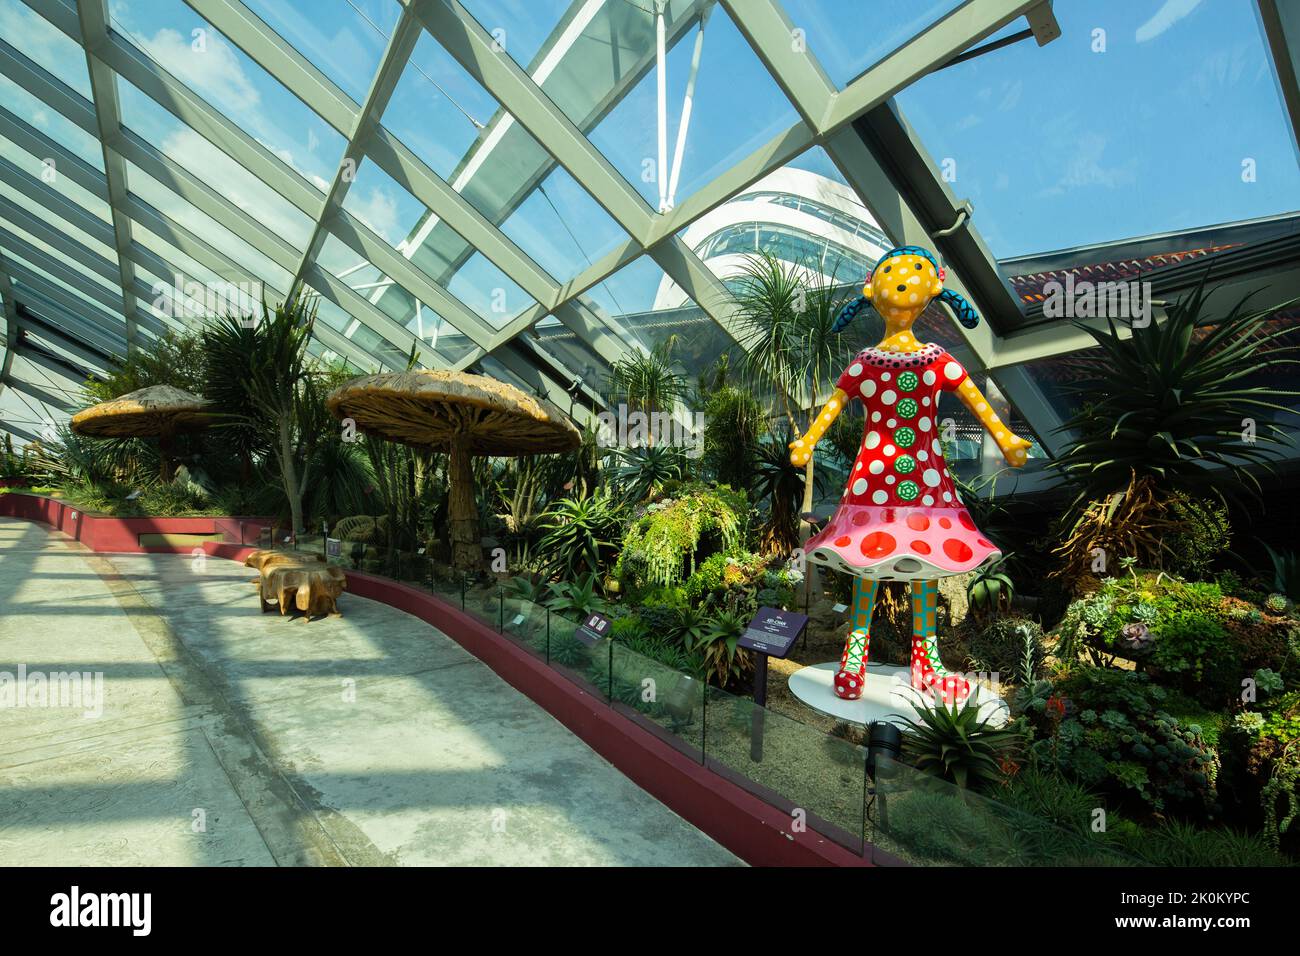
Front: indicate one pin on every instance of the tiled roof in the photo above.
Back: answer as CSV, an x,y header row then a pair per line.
x,y
1030,287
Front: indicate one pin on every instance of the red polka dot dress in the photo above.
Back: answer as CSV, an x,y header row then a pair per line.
x,y
901,518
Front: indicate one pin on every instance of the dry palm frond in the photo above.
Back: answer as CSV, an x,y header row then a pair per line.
x,y
1131,523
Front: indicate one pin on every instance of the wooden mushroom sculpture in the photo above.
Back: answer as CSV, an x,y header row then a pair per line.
x,y
159,411
460,414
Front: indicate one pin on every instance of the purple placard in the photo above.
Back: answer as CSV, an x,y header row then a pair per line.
x,y
773,631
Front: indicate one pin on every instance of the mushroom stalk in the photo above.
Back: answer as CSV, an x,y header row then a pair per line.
x,y
462,510
166,448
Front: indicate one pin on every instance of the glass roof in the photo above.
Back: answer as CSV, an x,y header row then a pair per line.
x,y
1142,118
501,184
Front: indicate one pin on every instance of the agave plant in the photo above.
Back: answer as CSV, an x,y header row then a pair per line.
x,y
580,534
718,645
1168,404
640,473
957,745
576,600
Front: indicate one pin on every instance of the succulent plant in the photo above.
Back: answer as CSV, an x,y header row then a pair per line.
x,y
1249,722
1277,603
1136,636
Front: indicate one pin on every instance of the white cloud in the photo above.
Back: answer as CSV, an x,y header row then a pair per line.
x,y
378,210
215,73
1164,18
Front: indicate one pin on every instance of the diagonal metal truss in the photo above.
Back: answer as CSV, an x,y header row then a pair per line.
x,y
828,117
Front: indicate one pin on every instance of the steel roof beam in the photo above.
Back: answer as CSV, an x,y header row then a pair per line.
x,y
93,15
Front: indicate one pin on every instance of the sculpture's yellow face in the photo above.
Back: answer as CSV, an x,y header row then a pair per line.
x,y
902,286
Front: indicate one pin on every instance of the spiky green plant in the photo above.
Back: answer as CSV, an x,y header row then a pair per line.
x,y
1169,404
991,588
955,744
648,382
784,316
639,473
580,534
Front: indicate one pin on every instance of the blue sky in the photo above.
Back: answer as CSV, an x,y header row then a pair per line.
x,y
1059,146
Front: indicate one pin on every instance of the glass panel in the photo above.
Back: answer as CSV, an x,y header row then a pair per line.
x,y
737,107
194,52
846,43
1223,149
789,764
668,702
560,226
45,44
243,257
113,288
640,304
34,167
442,343
52,123
920,820
437,250
109,253
497,166
437,109
344,39
188,149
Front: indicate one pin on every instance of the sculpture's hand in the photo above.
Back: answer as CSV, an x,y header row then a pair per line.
x,y
801,450
1015,450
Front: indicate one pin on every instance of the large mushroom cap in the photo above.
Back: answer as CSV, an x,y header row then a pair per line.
x,y
435,409
144,413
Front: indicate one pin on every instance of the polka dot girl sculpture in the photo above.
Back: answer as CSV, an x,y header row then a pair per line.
x,y
901,518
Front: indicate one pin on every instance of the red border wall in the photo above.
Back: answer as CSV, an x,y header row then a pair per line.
x,y
752,829
107,533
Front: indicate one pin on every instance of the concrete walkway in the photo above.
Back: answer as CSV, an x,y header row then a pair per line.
x,y
230,737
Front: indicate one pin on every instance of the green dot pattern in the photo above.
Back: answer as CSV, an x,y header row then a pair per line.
x,y
907,408
904,437
904,464
908,381
908,490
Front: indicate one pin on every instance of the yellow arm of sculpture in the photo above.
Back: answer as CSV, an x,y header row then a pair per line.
x,y
1014,448
801,449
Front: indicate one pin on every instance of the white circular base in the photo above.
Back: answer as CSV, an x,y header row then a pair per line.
x,y
887,696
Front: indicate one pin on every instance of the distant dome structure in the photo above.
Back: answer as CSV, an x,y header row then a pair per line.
x,y
798,216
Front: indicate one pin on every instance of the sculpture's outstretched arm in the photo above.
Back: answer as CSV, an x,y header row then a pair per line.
x,y
1014,448
801,449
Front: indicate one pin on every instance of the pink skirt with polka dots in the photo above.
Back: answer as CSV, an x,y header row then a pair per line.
x,y
905,543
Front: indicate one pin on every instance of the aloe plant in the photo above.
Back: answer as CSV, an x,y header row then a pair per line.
x,y
956,744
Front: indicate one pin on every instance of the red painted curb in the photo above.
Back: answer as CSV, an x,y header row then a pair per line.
x,y
754,830
110,534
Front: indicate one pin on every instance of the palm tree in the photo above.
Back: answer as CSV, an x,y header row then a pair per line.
x,y
284,394
785,316
648,382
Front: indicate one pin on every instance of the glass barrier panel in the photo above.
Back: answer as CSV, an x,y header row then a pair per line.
x,y
579,658
665,701
917,819
818,778
525,623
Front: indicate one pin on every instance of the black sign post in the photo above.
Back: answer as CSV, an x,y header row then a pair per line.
x,y
771,633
